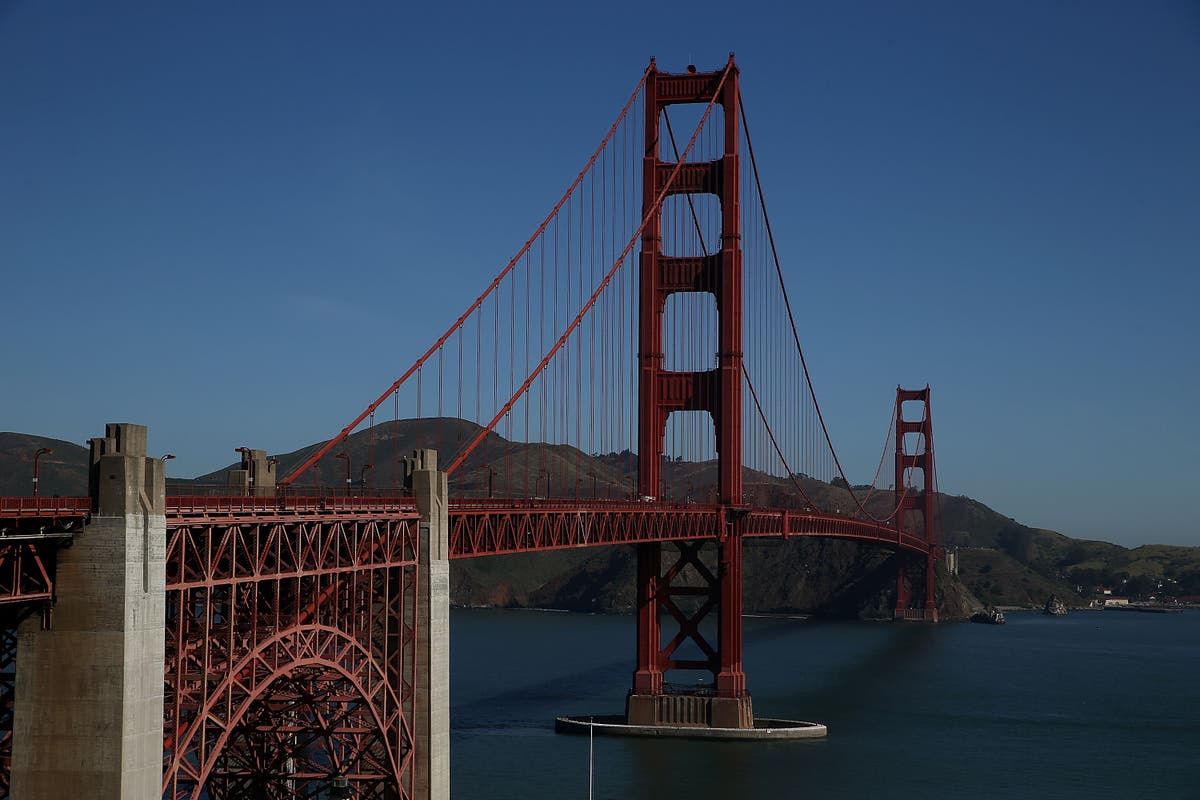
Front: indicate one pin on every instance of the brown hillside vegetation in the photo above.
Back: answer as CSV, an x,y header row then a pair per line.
x,y
63,472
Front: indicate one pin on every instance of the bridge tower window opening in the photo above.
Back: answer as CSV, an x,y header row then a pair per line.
x,y
689,459
690,332
912,411
691,225
914,480
675,125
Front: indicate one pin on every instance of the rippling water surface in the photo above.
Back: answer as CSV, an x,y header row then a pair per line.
x,y
1096,704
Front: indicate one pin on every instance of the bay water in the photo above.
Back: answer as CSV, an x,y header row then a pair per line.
x,y
1097,703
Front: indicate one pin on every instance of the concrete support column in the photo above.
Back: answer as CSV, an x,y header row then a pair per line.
x,y
88,716
432,702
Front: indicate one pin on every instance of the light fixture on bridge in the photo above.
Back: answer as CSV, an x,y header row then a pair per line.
x,y
245,451
41,451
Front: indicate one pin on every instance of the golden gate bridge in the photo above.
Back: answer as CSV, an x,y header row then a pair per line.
x,y
298,626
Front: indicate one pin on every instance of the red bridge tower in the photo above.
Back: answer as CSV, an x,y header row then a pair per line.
x,y
717,391
910,500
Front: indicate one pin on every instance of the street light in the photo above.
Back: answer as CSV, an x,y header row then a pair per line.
x,y
42,451
166,457
362,477
491,479
246,464
345,457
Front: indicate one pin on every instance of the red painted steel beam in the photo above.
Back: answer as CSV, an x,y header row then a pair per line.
x,y
479,528
289,505
31,531
42,506
490,527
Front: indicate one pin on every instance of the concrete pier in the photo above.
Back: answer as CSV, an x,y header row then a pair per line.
x,y
432,701
689,710
88,712
763,730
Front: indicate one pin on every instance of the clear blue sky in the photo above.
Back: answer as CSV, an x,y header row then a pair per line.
x,y
215,217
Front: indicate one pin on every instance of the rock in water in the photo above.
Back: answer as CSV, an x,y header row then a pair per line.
x,y
989,616
1054,607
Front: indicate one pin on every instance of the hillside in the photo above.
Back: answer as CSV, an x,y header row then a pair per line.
x,y
63,472
1001,561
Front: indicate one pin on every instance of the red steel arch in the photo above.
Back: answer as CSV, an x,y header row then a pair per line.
x,y
290,647
292,651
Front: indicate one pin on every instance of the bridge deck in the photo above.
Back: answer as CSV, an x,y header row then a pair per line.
x,y
488,527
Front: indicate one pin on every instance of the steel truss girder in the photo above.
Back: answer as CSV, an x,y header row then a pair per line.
x,y
486,529
290,655
479,528
27,571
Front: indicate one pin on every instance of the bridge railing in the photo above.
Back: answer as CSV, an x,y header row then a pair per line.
x,y
785,523
569,503
228,504
185,488
42,506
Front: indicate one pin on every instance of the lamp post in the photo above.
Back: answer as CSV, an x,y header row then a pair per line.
x,y
345,457
491,479
41,451
166,457
245,451
362,478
